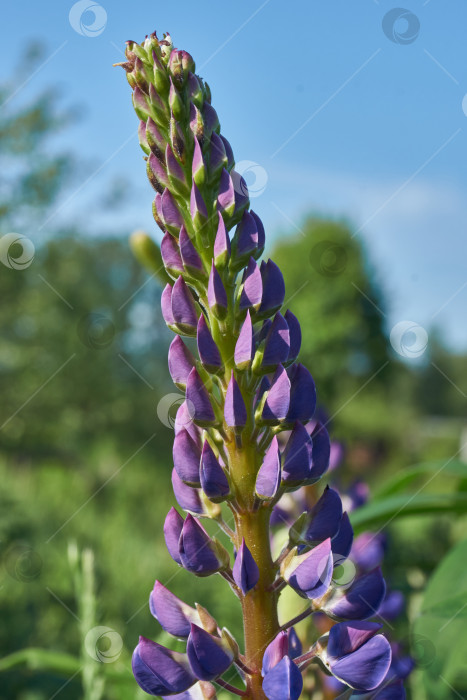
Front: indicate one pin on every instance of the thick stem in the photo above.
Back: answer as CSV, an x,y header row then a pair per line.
x,y
259,606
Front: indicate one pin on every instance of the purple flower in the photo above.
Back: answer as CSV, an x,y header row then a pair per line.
x,y
277,344
234,408
302,394
229,153
156,141
221,244
198,211
192,262
389,691
310,574
320,452
273,288
295,645
174,616
284,681
295,335
278,398
198,400
175,172
172,530
361,600
245,570
261,232
286,643
159,671
198,165
187,497
198,553
157,174
245,240
342,542
252,287
226,197
209,656
181,362
166,306
207,349
217,157
297,457
275,652
213,479
183,308
186,457
217,297
245,346
269,474
325,517
184,421
392,605
171,255
368,550
356,656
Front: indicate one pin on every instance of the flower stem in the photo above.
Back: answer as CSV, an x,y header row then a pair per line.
x,y
302,616
259,606
230,688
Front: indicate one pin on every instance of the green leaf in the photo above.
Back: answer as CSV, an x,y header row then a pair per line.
x,y
41,660
382,512
441,625
454,607
406,477
35,659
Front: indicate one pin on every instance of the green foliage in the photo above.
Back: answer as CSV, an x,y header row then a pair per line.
x,y
382,512
440,632
406,477
77,335
332,291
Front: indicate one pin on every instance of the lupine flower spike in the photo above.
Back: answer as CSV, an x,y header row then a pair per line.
x,y
245,435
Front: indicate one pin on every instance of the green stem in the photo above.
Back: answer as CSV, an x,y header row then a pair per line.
x,y
259,606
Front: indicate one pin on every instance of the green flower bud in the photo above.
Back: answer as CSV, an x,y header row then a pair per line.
x,y
148,253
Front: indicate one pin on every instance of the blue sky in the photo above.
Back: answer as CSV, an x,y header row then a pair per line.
x,y
339,117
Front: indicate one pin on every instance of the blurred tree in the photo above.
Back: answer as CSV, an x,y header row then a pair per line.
x,y
333,291
33,174
440,385
82,351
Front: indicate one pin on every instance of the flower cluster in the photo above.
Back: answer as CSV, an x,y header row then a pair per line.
x,y
245,435
363,564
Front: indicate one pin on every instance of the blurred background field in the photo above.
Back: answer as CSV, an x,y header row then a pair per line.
x,y
85,455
